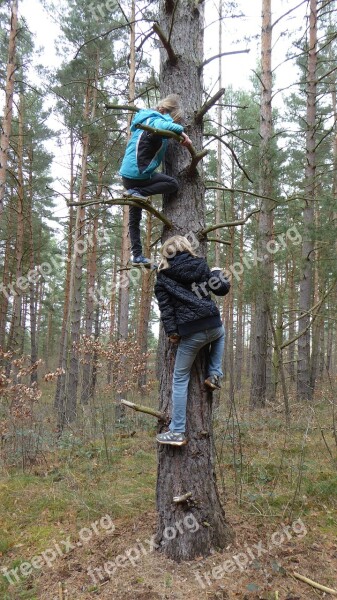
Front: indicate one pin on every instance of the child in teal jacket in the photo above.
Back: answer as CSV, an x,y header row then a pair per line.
x,y
144,154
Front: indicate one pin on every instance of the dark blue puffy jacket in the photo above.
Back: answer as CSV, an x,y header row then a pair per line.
x,y
145,151
183,294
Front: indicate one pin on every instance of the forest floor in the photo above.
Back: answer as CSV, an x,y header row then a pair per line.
x,y
69,513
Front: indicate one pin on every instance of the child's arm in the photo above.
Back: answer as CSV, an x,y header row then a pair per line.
x,y
167,312
217,282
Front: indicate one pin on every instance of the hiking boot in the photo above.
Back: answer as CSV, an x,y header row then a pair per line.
x,y
171,438
213,381
140,260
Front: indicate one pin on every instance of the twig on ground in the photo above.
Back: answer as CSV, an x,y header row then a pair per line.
x,y
314,584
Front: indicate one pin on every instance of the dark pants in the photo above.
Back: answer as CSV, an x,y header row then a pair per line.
x,y
159,183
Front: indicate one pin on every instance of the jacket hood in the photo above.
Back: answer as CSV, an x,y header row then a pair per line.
x,y
143,115
186,269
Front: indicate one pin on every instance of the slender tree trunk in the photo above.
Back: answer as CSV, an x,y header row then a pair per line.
x,y
240,328
145,303
16,338
306,283
180,469
32,285
70,405
8,111
61,380
219,193
90,308
124,290
4,297
265,269
290,285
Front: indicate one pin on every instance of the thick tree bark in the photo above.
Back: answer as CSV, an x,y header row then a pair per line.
x,y
306,283
8,111
265,269
190,468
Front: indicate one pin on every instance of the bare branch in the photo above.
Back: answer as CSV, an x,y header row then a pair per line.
x,y
203,110
217,241
223,54
238,190
170,52
288,13
204,232
313,584
129,107
145,409
127,202
183,498
217,137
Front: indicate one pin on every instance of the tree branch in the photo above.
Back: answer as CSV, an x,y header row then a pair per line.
x,y
204,232
127,202
233,190
313,584
218,241
203,110
183,498
145,409
129,107
222,54
173,59
217,137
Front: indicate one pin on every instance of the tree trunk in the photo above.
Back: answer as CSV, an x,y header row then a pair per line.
x,y
8,111
70,405
32,285
265,269
306,283
16,338
145,303
190,468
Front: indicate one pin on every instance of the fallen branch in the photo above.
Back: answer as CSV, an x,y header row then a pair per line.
x,y
204,232
144,409
196,156
203,110
173,59
313,584
126,202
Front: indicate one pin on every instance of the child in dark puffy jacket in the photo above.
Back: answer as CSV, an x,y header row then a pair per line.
x,y
191,319
144,153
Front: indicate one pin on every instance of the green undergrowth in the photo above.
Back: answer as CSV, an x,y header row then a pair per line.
x,y
264,471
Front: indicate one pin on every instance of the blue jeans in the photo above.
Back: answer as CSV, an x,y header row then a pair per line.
x,y
188,349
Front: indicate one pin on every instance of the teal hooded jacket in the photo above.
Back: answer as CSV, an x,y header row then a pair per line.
x,y
145,151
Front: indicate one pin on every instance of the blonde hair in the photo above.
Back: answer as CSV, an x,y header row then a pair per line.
x,y
174,244
171,104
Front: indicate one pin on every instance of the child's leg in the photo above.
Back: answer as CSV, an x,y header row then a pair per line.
x,y
216,352
187,350
135,215
158,183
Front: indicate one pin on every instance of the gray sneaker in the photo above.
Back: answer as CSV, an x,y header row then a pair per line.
x,y
171,438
